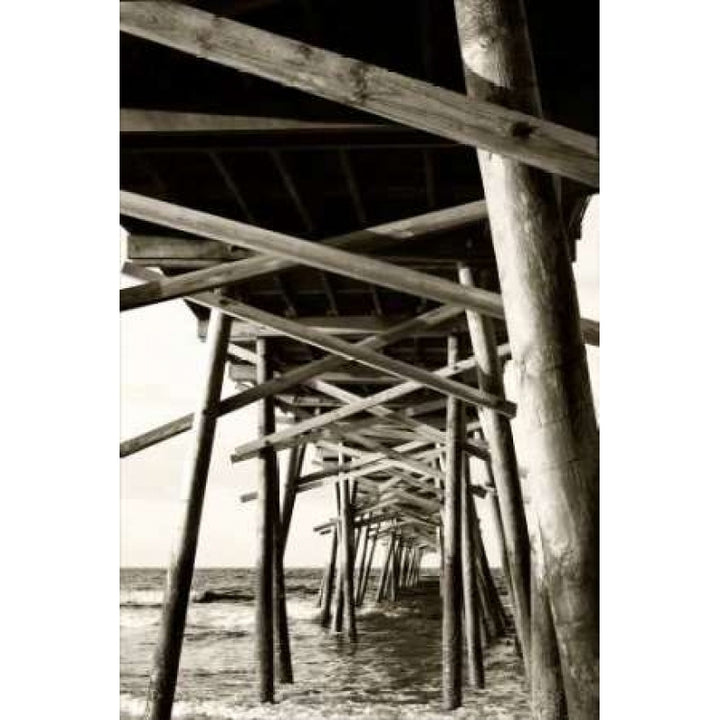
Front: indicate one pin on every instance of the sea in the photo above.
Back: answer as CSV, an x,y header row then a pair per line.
x,y
392,672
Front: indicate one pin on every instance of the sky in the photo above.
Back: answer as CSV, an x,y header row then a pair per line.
x,y
162,364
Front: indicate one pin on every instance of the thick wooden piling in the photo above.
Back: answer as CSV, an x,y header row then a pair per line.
x,y
547,696
543,320
471,599
451,625
509,501
266,516
163,677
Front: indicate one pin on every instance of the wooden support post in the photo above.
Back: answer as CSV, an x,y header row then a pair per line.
x,y
509,502
385,574
166,660
321,589
451,627
339,584
347,560
395,569
361,564
266,516
495,604
543,321
294,470
368,568
329,580
471,598
281,521
547,697
440,541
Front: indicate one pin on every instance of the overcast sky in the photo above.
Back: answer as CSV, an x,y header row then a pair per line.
x,y
162,362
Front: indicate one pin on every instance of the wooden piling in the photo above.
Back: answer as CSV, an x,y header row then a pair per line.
x,y
547,696
496,606
166,660
385,574
361,565
347,559
451,626
266,516
281,524
329,580
368,569
509,500
543,321
471,599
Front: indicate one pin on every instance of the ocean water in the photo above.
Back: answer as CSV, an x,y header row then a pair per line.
x,y
392,672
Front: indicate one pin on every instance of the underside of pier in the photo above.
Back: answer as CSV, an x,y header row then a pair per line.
x,y
370,208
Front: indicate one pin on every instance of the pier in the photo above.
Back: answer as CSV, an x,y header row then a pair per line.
x,y
371,209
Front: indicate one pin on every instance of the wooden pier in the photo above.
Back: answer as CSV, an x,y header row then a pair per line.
x,y
370,208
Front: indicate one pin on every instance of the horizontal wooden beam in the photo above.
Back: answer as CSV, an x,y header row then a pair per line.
x,y
290,379
323,257
357,353
373,238
277,439
415,103
350,326
133,120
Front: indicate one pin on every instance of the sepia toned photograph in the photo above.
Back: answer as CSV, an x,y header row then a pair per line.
x,y
359,360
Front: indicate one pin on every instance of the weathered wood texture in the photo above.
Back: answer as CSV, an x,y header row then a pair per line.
x,y
266,516
499,437
367,87
373,238
329,582
135,120
452,588
281,524
543,322
547,697
323,257
284,382
166,659
347,560
279,438
471,595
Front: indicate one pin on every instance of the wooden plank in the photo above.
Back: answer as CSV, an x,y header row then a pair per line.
x,y
418,104
372,238
167,247
560,429
323,257
166,660
290,379
279,438
349,326
135,120
358,353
